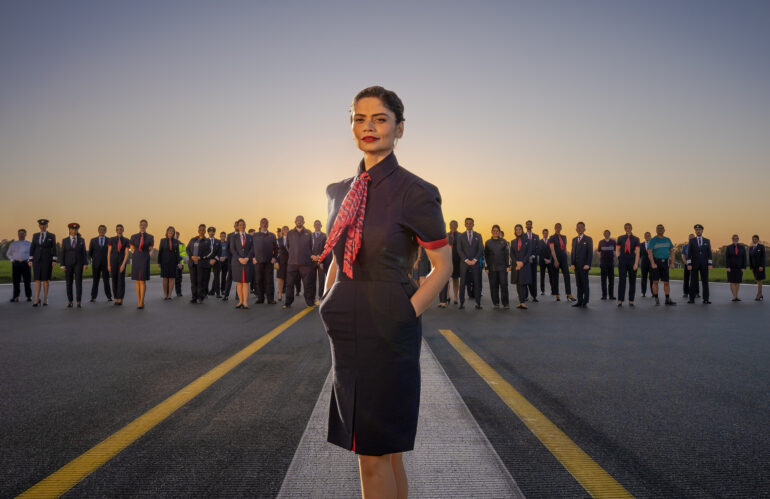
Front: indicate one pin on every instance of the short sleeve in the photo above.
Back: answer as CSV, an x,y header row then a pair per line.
x,y
422,215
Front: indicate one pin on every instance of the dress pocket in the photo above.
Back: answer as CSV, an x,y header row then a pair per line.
x,y
407,289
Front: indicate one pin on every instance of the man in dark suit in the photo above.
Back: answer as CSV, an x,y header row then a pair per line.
x,y
265,256
470,247
179,271
321,266
699,263
299,243
627,252
201,251
644,263
496,261
74,261
226,278
216,267
534,241
97,253
544,259
582,256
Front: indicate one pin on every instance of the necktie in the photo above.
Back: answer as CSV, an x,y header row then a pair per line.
x,y
101,241
518,244
42,236
580,238
72,242
169,244
243,240
470,235
700,242
628,245
120,246
350,216
736,249
141,242
561,243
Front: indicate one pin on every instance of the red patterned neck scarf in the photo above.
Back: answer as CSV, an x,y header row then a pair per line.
x,y
350,216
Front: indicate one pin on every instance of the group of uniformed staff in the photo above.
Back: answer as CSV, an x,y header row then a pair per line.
x,y
250,258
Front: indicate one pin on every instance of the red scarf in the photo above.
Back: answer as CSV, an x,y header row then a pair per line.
x,y
350,216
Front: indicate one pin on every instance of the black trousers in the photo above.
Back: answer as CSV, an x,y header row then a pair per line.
x,y
74,273
608,278
498,286
178,281
443,295
216,271
118,282
263,276
204,275
686,282
523,291
21,271
626,271
546,267
581,283
226,277
475,271
564,270
703,273
321,277
646,277
102,273
533,282
304,274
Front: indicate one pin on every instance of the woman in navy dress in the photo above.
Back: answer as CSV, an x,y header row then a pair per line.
x,y
370,308
141,247
241,254
42,257
169,260
521,272
117,258
757,264
735,261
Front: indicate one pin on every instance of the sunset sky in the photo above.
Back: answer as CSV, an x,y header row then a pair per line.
x,y
187,112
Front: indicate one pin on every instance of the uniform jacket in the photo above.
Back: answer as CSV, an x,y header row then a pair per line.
x,y
265,246
582,252
496,254
757,256
733,261
98,253
635,243
300,246
472,251
43,251
699,255
73,256
239,250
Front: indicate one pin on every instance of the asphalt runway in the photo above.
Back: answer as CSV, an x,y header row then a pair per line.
x,y
669,401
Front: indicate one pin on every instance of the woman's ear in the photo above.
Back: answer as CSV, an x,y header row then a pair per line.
x,y
400,130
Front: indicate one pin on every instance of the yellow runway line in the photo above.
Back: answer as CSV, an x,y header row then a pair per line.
x,y
76,470
586,471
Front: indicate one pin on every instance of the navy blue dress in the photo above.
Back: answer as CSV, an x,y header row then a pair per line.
x,y
374,332
169,257
140,260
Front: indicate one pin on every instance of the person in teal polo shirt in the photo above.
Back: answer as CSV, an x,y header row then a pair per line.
x,y
661,252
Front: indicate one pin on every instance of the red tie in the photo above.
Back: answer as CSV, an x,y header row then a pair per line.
x,y
169,244
628,245
141,241
736,249
561,243
350,216
243,240
119,245
518,244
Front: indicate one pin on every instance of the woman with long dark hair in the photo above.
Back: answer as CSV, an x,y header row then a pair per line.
x,y
371,309
169,260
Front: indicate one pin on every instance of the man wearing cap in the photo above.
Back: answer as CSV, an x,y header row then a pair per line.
x,y
42,258
661,253
699,263
202,251
74,261
18,254
686,279
97,253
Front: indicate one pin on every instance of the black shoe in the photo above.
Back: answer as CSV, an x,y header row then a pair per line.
x,y
479,307
69,305
285,306
657,301
225,298
578,304
461,307
179,295
558,299
534,300
79,305
238,306
620,304
455,302
506,307
612,298
109,299
604,297
706,302
259,302
34,304
93,300
644,295
193,301
271,302
115,304
140,307
690,301
670,302
219,296
585,305
630,304
29,299
14,299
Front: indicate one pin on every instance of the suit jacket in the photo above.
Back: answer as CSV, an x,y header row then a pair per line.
x,y
583,252
44,252
206,251
472,250
265,246
98,253
318,247
73,256
533,245
733,261
300,246
644,257
699,255
543,250
238,250
757,256
496,254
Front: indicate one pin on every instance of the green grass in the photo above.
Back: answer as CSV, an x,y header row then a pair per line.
x,y
58,273
715,275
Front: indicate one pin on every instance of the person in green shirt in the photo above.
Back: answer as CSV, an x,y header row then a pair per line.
x,y
661,252
183,254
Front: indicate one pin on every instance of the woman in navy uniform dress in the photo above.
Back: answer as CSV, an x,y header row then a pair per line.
x,y
169,260
521,270
757,264
117,257
735,261
141,247
42,257
370,308
241,255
